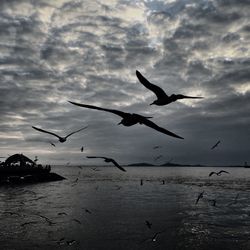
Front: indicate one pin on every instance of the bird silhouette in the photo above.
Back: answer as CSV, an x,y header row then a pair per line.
x,y
162,97
218,173
129,119
156,147
52,144
82,148
200,196
108,160
215,145
153,238
148,224
157,157
61,139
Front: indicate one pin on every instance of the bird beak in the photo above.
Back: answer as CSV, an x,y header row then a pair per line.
x,y
151,103
119,123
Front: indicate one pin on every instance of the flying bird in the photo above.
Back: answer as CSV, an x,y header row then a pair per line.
x,y
215,145
61,139
200,196
218,173
162,97
82,148
154,237
148,224
109,160
156,147
52,144
157,157
129,119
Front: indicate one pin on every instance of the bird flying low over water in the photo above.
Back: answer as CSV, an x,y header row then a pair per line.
x,y
61,139
215,145
200,196
218,173
129,119
109,160
162,97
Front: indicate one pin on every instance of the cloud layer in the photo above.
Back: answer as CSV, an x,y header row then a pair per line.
x,y
88,51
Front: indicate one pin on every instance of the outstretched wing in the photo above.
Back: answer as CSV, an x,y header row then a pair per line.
x,y
44,131
160,129
188,97
212,174
117,165
76,131
215,145
92,157
116,112
223,171
159,92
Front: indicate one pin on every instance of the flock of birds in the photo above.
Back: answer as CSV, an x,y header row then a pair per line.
x,y
130,119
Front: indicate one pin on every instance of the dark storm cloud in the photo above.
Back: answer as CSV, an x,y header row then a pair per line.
x,y
88,52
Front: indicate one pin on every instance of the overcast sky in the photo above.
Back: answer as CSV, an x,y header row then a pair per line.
x,y
87,51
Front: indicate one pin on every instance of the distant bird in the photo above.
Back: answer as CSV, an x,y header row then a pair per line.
x,y
109,160
79,222
62,213
141,182
82,148
61,139
215,145
129,119
52,144
200,196
148,224
71,242
157,157
87,211
154,238
218,173
163,182
95,169
156,147
162,97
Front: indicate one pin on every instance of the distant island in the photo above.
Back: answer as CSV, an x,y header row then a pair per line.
x,y
167,164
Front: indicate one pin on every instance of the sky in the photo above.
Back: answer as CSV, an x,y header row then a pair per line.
x,y
87,51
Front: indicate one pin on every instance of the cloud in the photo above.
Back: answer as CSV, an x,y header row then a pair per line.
x,y
88,51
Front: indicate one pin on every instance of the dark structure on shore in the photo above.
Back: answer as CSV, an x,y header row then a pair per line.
x,y
19,169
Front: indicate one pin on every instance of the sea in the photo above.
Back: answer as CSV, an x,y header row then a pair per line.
x,y
104,208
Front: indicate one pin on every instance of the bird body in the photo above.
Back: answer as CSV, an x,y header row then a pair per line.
x,y
61,139
130,119
148,224
162,97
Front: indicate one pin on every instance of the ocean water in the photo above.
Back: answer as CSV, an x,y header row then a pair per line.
x,y
105,208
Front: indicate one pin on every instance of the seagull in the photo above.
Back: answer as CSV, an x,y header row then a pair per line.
x,y
70,242
109,160
148,224
199,197
141,182
79,222
61,139
87,211
153,239
215,145
52,144
157,157
82,148
162,97
156,147
218,173
129,119
62,213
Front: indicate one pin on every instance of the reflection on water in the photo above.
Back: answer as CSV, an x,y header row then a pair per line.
x,y
52,215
